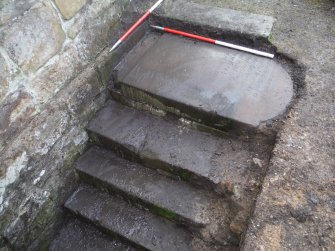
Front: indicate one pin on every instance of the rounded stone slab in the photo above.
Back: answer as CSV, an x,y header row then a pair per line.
x,y
202,77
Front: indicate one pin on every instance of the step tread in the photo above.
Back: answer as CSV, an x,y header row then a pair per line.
x,y
231,84
137,226
158,140
193,205
76,235
227,21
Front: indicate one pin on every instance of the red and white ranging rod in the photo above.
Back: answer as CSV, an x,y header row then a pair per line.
x,y
213,41
135,25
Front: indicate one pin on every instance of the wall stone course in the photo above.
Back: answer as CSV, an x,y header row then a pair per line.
x,y
56,72
86,46
33,39
78,95
49,81
89,14
11,77
16,111
4,75
41,200
41,158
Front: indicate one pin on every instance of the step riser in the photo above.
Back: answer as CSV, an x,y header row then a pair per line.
x,y
117,96
192,226
181,110
230,167
169,170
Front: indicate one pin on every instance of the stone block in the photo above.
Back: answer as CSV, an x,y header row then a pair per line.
x,y
77,235
32,40
49,80
15,112
4,74
89,16
148,227
80,94
12,8
86,46
96,35
46,129
70,8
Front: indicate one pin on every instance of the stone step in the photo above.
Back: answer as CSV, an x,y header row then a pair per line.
x,y
212,85
137,226
217,163
245,27
77,235
174,199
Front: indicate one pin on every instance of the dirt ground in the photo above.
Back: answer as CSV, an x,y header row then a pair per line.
x,y
296,208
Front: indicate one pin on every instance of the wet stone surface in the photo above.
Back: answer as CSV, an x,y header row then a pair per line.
x,y
148,185
204,80
197,209
177,148
230,167
137,226
79,236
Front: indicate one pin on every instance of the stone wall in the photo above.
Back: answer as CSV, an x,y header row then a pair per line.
x,y
53,78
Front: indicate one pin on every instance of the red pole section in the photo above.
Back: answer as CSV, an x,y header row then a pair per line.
x,y
213,41
135,25
185,34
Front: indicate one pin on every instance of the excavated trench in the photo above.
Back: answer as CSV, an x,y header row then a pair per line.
x,y
259,141
171,167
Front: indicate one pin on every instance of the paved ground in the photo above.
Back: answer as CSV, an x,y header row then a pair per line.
x,y
296,209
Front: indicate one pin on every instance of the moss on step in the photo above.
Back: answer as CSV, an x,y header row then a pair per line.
x,y
164,213
185,175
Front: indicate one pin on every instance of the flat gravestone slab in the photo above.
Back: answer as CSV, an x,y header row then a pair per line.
x,y
230,84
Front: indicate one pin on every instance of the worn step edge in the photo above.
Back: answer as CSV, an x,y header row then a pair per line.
x,y
77,235
200,116
189,122
135,153
115,216
130,154
97,173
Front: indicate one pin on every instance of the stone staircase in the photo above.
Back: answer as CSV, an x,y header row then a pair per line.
x,y
178,155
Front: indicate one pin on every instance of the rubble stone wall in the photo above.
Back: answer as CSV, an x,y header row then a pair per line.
x,y
52,80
